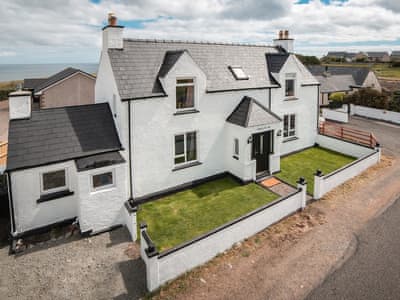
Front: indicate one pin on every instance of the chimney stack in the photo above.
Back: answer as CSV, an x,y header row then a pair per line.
x,y
113,34
20,104
283,41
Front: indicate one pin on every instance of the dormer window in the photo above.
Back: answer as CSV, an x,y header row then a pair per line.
x,y
238,73
185,93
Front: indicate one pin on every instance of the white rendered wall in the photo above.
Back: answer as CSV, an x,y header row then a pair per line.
x,y
154,127
26,191
372,82
323,185
102,209
344,147
159,270
373,113
335,115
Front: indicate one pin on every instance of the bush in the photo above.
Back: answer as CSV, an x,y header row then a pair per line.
x,y
368,97
337,96
395,64
4,94
308,60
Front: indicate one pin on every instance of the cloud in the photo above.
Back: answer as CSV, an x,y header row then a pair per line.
x,y
59,30
7,53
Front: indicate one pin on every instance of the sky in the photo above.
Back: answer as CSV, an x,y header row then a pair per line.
x,y
69,31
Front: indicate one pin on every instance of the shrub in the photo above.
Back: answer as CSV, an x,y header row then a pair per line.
x,y
368,97
395,64
337,96
308,60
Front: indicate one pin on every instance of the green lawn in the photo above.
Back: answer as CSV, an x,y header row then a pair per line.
x,y
183,216
305,163
381,69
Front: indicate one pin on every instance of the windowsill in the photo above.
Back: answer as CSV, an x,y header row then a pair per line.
x,y
55,195
186,112
235,157
291,98
185,166
294,138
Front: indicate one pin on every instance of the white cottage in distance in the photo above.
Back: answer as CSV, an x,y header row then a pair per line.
x,y
168,114
187,111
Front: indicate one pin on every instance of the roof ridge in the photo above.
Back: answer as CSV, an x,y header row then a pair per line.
x,y
198,42
66,107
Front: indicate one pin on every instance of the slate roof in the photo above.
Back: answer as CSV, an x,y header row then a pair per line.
x,y
32,83
137,66
336,83
38,84
249,112
359,74
395,53
171,57
98,161
276,61
59,134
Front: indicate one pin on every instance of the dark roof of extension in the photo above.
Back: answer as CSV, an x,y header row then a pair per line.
x,y
395,53
41,83
60,134
139,64
359,74
249,112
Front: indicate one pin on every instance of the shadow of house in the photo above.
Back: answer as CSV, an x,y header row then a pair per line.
x,y
134,275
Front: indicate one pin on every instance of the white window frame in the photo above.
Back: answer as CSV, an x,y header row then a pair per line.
x,y
184,148
236,154
236,70
183,85
104,187
294,131
54,190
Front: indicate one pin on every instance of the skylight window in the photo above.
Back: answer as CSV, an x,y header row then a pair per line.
x,y
238,73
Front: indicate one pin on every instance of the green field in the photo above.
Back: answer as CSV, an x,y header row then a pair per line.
x,y
381,69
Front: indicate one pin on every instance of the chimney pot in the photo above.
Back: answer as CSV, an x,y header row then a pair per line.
x,y
281,34
112,19
286,34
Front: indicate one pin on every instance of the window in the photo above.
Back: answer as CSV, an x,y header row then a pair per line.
x,y
103,180
185,148
184,93
236,148
289,126
289,90
239,73
54,181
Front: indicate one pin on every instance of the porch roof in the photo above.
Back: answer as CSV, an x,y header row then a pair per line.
x,y
250,113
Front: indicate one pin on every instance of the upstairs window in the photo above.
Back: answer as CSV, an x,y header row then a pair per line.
x,y
290,85
238,73
184,93
289,126
185,148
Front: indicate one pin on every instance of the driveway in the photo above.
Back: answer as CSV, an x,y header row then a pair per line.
x,y
105,266
3,121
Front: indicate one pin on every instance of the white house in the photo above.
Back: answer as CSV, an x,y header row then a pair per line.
x,y
168,114
186,111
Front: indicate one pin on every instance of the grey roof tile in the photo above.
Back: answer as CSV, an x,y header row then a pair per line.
x,y
359,74
276,61
60,134
249,113
137,67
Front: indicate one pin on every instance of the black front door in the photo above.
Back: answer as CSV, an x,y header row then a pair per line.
x,y
261,150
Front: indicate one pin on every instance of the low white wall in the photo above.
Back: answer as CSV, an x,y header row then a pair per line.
x,y
342,146
163,267
335,115
373,113
324,184
130,222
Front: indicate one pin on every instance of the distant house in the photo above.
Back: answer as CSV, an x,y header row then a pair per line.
x,y
378,56
342,55
343,79
395,56
66,88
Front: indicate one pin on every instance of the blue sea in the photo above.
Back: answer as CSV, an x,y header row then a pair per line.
x,y
10,72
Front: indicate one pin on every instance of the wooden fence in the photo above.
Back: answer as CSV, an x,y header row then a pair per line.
x,y
3,153
348,134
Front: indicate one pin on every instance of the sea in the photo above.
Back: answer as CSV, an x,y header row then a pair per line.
x,y
10,72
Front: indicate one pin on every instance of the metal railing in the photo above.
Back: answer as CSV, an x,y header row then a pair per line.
x,y
348,134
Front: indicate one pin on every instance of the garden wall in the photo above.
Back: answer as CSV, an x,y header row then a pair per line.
x,y
162,267
341,146
336,115
374,113
325,183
